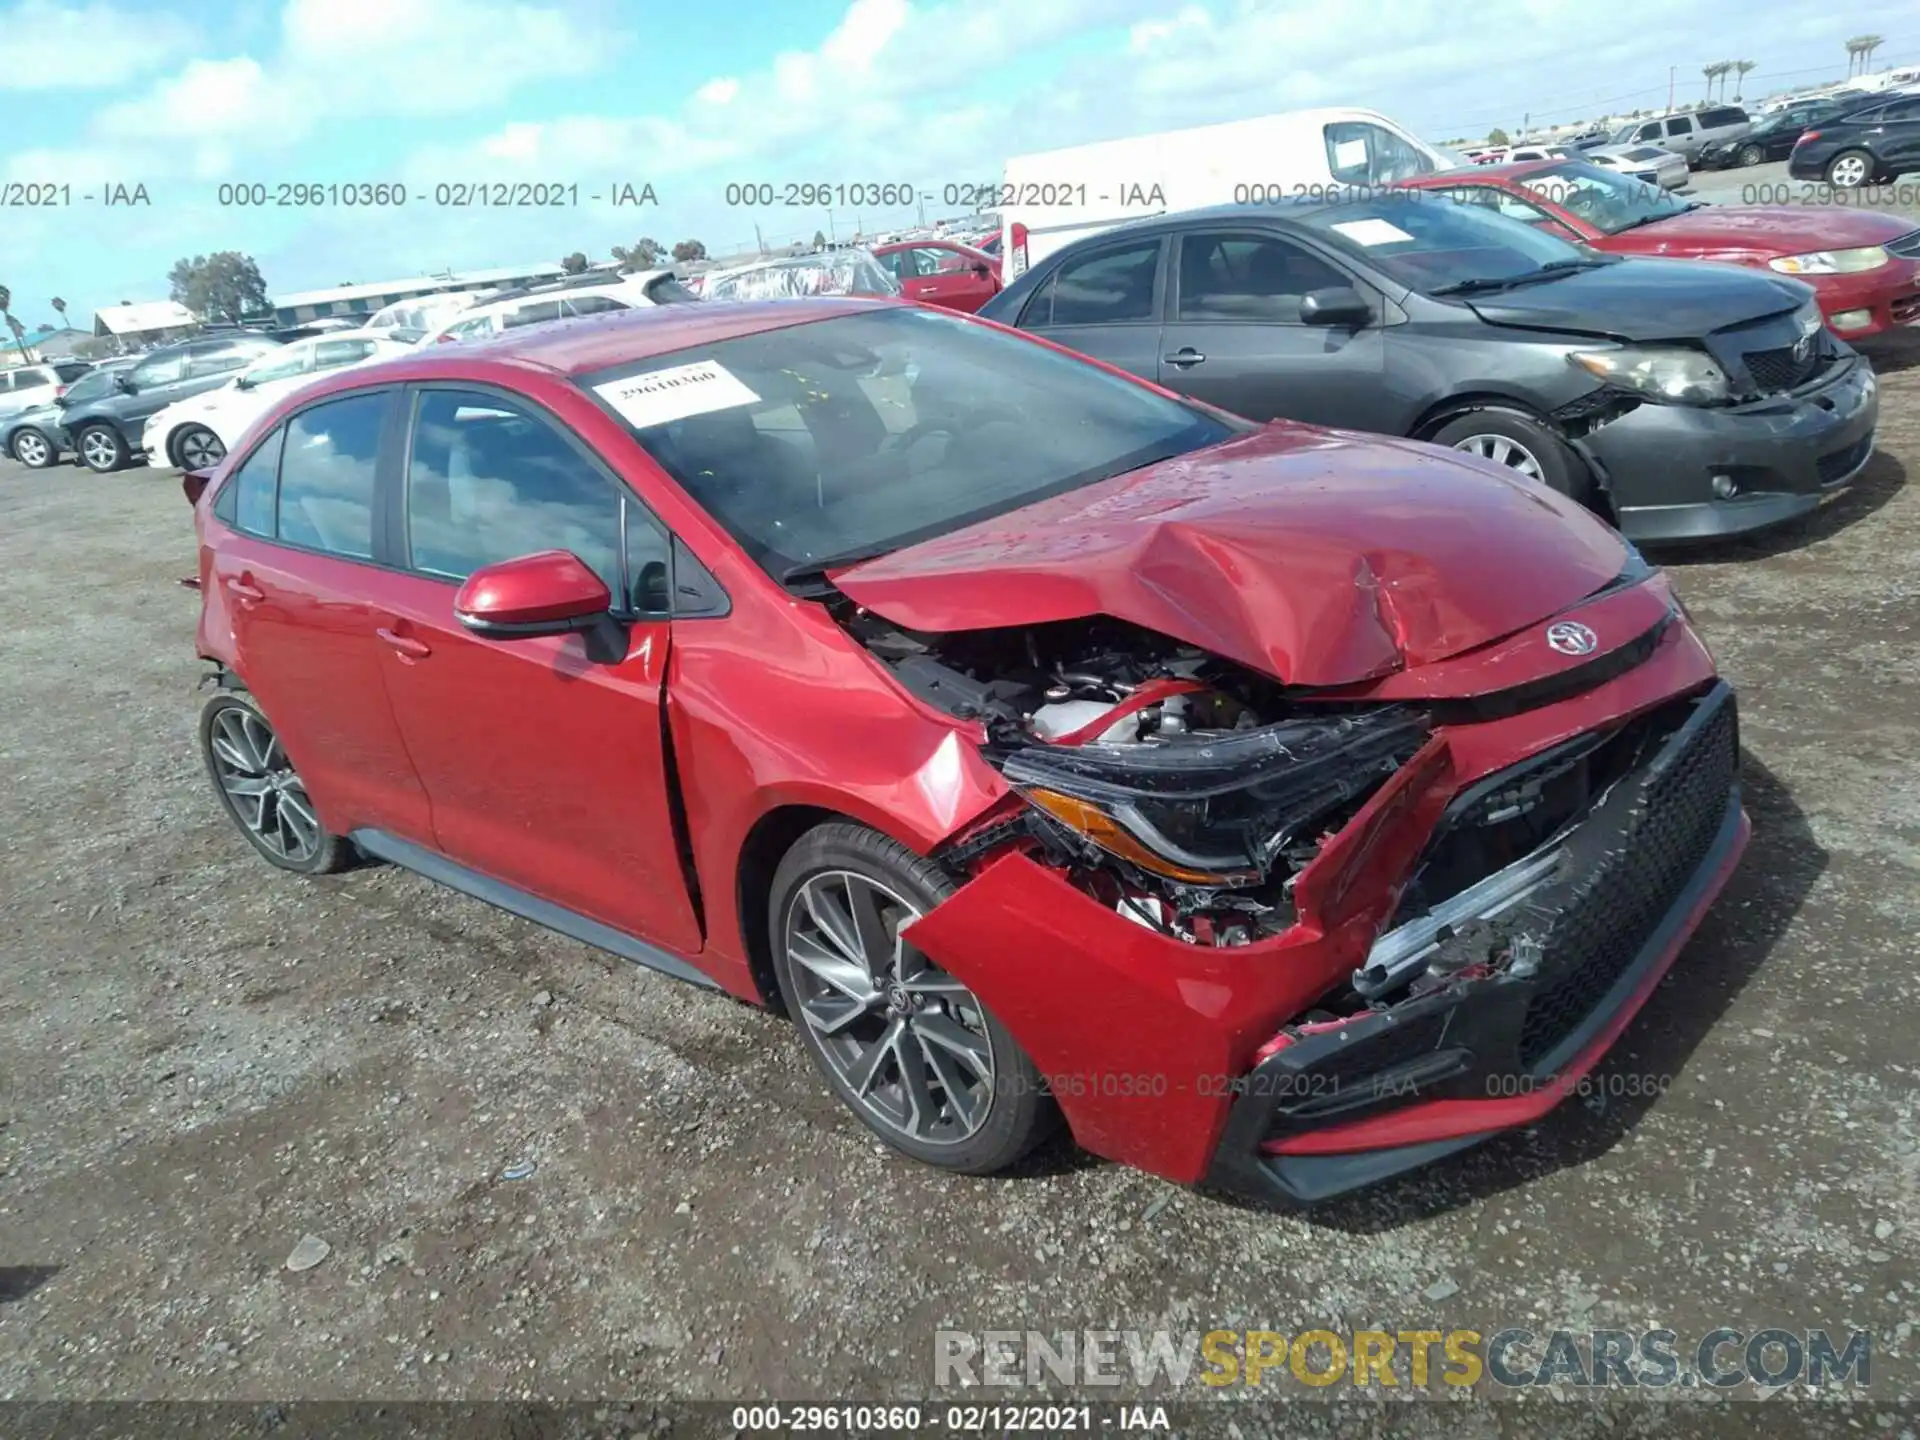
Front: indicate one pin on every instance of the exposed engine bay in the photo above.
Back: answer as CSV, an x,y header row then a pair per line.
x,y
1184,791
1188,793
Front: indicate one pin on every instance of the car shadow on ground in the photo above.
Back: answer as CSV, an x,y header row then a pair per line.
x,y
19,1281
1883,478
1782,863
1893,352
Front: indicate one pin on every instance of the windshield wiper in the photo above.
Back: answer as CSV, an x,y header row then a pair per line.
x,y
812,574
1656,219
1552,270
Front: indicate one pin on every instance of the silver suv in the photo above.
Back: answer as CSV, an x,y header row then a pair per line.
x,y
27,387
1687,132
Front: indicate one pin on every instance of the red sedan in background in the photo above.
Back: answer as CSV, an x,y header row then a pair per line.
x,y
942,272
1281,806
1863,266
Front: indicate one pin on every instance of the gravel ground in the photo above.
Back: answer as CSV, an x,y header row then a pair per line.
x,y
206,1060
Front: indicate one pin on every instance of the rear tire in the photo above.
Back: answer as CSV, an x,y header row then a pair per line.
x,y
263,794
102,449
1850,169
905,1046
34,450
1522,444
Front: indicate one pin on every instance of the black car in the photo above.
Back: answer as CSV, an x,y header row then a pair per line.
x,y
1876,142
1685,400
37,437
106,428
1772,137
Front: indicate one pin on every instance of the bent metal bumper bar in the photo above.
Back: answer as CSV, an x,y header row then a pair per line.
x,y
1345,1104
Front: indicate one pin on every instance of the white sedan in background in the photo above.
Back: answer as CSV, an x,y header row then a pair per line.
x,y
562,300
197,432
1666,168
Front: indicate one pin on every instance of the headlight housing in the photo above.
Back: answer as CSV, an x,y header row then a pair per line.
x,y
1668,373
1832,262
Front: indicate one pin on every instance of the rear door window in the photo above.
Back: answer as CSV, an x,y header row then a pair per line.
x,y
1680,125
326,475
1109,287
247,501
537,312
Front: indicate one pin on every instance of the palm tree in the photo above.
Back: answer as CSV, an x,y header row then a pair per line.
x,y
1741,67
1869,44
1709,71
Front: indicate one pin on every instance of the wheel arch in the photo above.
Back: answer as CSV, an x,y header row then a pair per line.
x,y
772,834
1452,407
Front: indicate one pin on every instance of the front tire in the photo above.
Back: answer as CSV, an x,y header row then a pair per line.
x,y
1850,169
263,794
1522,444
906,1047
33,450
102,449
1751,155
196,448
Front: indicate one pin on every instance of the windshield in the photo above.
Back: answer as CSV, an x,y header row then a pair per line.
x,y
1605,199
844,272
856,435
1428,241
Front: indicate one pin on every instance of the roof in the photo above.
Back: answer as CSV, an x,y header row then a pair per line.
x,y
416,284
147,316
622,337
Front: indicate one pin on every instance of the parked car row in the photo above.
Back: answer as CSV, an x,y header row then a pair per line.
x,y
935,643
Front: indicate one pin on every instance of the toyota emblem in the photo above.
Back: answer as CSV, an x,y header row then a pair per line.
x,y
1570,637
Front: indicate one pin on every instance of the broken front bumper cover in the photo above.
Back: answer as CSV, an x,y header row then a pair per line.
x,y
1350,1103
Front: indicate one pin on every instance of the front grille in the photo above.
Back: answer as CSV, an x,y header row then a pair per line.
x,y
1781,369
1842,463
1906,309
1639,879
1907,245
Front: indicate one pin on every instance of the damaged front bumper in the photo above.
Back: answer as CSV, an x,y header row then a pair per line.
x,y
1211,1063
1334,1107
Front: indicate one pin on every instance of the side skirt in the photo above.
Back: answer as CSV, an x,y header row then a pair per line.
x,y
572,924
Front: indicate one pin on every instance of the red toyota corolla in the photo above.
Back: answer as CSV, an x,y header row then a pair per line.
x,y
1283,807
1864,267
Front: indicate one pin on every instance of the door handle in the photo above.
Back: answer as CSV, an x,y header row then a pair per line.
x,y
405,645
245,593
1186,355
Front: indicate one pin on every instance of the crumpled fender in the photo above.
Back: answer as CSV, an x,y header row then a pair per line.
x,y
1141,1037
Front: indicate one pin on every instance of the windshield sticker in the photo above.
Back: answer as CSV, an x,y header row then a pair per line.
x,y
1349,153
663,395
1371,232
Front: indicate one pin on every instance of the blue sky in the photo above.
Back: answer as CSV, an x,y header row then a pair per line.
x,y
184,97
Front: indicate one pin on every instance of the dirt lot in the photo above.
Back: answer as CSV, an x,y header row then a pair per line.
x,y
205,1060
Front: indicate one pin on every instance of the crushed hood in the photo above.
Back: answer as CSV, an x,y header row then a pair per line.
x,y
1639,300
1317,557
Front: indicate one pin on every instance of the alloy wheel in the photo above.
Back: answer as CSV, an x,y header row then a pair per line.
x,y
1849,170
200,448
1502,450
1752,155
266,794
907,1040
30,448
98,450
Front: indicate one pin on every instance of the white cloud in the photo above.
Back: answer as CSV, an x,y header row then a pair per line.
x,y
718,91
48,46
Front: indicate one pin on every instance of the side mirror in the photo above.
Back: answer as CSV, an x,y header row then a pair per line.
x,y
1336,305
241,382
123,382
548,593
985,272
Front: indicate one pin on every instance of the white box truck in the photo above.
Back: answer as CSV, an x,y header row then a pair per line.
x,y
1058,196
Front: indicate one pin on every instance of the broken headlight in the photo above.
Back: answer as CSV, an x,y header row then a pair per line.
x,y
1215,809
